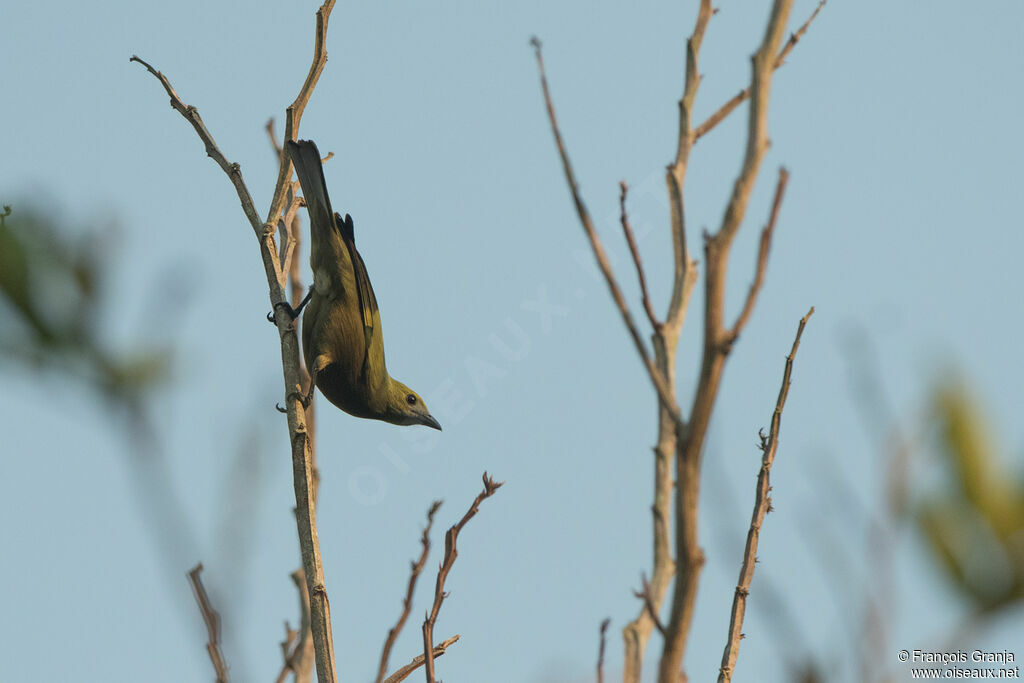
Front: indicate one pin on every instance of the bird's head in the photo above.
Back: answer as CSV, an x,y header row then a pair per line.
x,y
405,407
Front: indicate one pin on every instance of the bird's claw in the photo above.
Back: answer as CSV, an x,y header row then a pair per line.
x,y
272,316
304,399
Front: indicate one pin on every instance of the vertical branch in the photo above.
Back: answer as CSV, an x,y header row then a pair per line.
x,y
690,442
666,341
600,650
212,619
762,505
300,660
302,457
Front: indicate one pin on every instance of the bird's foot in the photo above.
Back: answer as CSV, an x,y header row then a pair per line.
x,y
304,399
287,308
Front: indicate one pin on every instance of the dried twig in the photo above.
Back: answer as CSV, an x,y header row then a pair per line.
x,y
690,445
302,463
635,251
212,619
298,659
293,115
600,651
762,504
450,553
414,574
762,259
649,604
418,661
660,383
744,94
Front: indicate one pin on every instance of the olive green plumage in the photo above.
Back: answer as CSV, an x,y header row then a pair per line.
x,y
342,339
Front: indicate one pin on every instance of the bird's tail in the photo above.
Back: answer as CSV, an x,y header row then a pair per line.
x,y
306,159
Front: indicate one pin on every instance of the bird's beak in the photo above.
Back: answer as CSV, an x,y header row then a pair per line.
x,y
429,421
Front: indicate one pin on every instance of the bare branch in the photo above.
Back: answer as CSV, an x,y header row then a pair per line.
x,y
666,341
414,575
762,504
744,94
303,465
685,274
600,651
294,112
233,171
635,251
418,661
299,659
272,134
690,443
660,383
762,259
450,553
212,619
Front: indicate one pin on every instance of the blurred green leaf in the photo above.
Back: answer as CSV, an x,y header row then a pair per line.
x,y
976,526
51,283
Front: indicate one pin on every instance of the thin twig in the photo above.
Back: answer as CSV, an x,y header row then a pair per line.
x,y
660,383
212,619
233,171
450,553
293,114
303,468
744,94
649,604
600,650
418,661
762,259
415,569
299,659
635,251
287,647
762,504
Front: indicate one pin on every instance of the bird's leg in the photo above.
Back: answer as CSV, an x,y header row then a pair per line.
x,y
320,363
293,313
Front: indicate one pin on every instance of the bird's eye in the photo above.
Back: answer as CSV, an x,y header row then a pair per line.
x,y
411,399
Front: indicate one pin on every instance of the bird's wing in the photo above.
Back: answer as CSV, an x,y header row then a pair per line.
x,y
367,299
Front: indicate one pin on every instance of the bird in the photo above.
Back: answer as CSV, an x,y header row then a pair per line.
x,y
342,339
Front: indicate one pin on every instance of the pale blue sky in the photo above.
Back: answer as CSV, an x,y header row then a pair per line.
x,y
900,123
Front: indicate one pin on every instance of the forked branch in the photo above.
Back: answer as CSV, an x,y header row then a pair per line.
x,y
418,661
303,468
727,108
665,393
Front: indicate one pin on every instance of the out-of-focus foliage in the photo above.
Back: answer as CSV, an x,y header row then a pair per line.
x,y
52,308
975,524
